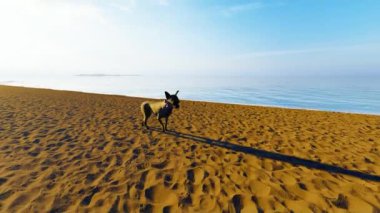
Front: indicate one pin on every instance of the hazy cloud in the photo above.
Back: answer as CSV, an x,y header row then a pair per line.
x,y
306,51
250,6
244,7
163,2
130,5
125,6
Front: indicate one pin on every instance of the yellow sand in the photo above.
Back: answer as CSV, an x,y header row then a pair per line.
x,y
70,151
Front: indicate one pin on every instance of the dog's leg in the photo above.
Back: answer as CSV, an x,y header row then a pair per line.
x,y
166,123
163,127
146,122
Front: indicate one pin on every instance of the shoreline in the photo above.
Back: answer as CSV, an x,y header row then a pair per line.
x,y
206,101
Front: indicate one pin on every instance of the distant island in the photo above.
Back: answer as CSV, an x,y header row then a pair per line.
x,y
104,75
7,82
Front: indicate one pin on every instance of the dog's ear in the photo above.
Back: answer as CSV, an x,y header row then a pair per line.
x,y
167,95
177,92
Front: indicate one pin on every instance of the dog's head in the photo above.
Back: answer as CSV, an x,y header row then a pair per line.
x,y
173,99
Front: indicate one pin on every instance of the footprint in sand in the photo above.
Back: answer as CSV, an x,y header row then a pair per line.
x,y
91,177
154,195
6,194
34,153
87,200
195,176
15,167
2,181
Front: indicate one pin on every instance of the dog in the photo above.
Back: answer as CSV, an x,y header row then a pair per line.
x,y
162,109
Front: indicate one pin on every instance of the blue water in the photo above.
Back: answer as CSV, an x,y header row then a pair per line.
x,y
343,94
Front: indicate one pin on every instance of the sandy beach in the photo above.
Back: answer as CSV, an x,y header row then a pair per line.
x,y
78,152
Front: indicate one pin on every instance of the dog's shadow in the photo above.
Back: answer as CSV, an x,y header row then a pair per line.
x,y
273,155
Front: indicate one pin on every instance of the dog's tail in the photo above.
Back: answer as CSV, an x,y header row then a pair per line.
x,y
144,108
146,111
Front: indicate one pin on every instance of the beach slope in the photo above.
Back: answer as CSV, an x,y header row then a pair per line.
x,y
71,151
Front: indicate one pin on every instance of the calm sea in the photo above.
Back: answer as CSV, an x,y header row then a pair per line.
x,y
343,94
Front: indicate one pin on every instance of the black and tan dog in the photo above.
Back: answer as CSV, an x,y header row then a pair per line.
x,y
162,109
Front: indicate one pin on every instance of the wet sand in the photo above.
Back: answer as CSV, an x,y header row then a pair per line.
x,y
71,151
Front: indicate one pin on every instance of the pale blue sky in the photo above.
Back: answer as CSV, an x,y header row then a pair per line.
x,y
242,37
